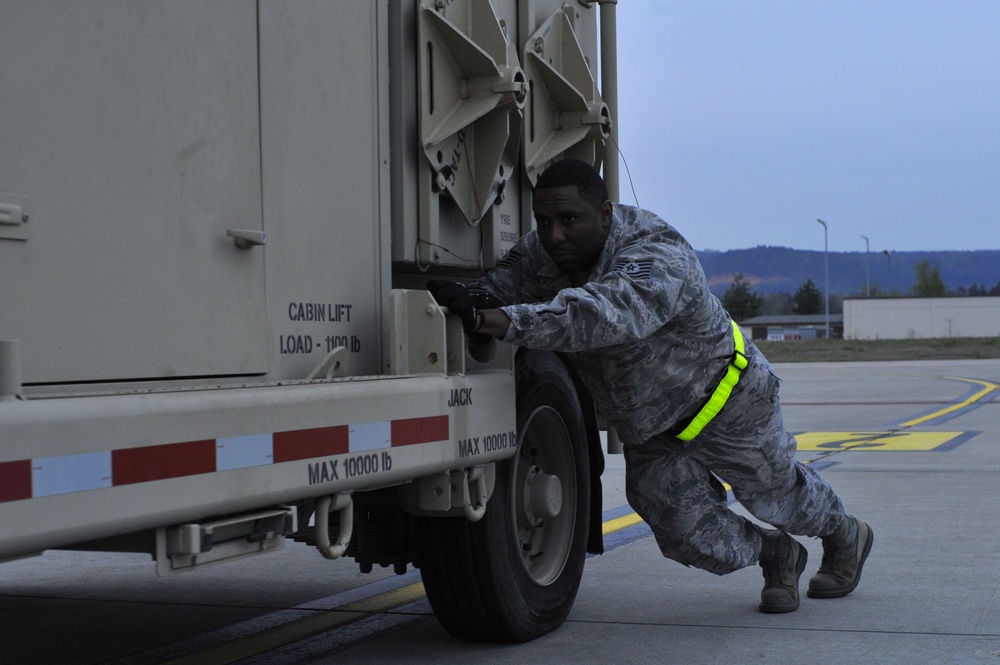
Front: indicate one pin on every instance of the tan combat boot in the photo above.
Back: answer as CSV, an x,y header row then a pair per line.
x,y
844,554
783,561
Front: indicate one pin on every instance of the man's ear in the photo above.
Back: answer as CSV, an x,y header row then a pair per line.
x,y
606,212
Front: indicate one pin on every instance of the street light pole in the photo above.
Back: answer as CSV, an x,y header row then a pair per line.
x,y
826,272
868,292
888,260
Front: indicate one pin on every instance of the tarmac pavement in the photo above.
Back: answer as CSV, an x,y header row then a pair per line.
x,y
913,448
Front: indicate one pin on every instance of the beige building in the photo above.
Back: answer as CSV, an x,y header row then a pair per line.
x,y
913,318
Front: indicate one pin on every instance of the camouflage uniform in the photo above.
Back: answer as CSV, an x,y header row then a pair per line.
x,y
651,343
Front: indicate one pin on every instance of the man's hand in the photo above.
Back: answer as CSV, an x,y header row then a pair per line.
x,y
495,323
482,325
457,299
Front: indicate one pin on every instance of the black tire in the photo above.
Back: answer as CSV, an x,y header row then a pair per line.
x,y
513,575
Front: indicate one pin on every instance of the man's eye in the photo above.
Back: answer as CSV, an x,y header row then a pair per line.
x,y
569,219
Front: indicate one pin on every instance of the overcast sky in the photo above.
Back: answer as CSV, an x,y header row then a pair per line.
x,y
742,122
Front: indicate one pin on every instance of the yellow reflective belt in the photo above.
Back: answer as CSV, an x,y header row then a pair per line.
x,y
722,391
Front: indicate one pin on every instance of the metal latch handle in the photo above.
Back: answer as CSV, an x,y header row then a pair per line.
x,y
12,215
246,238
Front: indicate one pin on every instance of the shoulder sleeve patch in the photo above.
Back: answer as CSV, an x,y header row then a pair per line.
x,y
636,269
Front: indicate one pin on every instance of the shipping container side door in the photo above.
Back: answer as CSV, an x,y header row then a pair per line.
x,y
324,146
130,147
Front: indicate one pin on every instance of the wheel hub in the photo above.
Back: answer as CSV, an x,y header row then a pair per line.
x,y
542,496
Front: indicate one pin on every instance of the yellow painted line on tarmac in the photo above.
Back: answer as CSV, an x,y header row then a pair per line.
x,y
619,523
972,399
300,629
874,441
898,439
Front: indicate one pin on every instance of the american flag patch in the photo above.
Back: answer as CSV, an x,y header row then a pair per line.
x,y
509,259
634,269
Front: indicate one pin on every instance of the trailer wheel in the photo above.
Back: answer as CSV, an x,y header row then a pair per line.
x,y
513,575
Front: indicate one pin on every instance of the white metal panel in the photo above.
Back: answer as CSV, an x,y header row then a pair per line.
x,y
906,318
130,139
324,137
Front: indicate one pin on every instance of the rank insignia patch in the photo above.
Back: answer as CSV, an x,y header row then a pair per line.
x,y
634,269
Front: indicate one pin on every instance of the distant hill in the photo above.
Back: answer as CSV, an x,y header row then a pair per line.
x,y
781,269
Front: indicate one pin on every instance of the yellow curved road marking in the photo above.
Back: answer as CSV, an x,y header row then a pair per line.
x,y
972,399
901,437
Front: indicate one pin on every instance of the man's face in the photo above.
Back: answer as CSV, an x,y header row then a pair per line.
x,y
570,230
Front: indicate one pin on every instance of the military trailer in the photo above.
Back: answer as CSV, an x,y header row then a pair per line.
x,y
217,220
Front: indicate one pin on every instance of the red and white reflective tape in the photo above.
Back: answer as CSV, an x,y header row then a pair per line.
x,y
64,474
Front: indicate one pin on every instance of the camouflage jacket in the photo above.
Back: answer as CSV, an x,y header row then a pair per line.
x,y
645,334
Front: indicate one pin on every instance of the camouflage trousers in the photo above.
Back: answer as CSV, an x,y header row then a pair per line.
x,y
675,485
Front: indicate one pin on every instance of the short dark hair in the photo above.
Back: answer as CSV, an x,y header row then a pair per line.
x,y
577,173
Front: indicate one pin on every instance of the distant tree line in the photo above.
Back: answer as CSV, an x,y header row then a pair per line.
x,y
978,290
742,302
